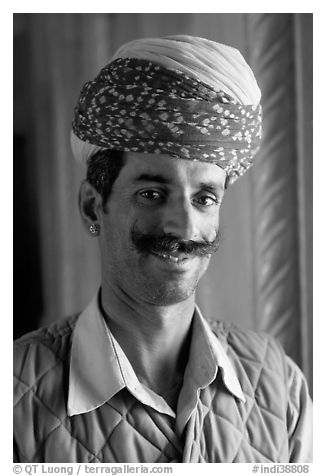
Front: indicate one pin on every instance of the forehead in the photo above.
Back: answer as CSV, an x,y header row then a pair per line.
x,y
172,169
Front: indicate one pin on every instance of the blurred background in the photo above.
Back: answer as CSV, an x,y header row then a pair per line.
x,y
261,278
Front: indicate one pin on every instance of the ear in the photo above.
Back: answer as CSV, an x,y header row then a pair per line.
x,y
90,204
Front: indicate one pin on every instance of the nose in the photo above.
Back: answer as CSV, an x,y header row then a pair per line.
x,y
179,219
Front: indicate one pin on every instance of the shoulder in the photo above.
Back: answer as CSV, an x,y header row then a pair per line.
x,y
52,337
258,359
40,354
41,370
248,344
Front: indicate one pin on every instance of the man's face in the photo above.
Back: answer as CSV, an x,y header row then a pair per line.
x,y
160,214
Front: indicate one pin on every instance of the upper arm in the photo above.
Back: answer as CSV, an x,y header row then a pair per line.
x,y
299,415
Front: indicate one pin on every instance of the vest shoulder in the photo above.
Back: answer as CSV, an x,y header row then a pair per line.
x,y
249,345
42,349
59,328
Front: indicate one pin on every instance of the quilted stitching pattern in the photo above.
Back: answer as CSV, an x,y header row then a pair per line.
x,y
222,429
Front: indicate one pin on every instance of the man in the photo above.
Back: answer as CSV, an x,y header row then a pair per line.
x,y
140,376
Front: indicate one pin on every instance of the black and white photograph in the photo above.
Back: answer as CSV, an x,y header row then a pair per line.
x,y
163,236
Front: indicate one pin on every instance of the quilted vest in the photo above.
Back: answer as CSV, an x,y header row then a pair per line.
x,y
221,429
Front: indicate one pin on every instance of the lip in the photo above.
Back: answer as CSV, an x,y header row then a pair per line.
x,y
172,259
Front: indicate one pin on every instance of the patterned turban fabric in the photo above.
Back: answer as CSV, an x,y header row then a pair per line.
x,y
184,96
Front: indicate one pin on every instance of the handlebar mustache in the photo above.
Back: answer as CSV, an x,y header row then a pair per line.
x,y
166,243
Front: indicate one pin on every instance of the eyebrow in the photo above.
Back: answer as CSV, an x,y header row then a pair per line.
x,y
212,186
151,178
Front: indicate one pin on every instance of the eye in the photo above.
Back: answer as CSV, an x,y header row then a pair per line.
x,y
206,200
148,196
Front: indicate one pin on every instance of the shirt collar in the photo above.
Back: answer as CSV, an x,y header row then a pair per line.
x,y
94,375
208,350
99,368
207,356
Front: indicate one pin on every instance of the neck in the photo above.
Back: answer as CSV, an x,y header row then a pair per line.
x,y
154,338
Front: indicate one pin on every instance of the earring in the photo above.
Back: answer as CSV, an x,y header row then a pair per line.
x,y
94,229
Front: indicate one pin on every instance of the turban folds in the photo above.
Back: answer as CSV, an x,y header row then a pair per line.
x,y
184,96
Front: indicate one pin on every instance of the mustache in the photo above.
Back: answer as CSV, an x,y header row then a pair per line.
x,y
166,243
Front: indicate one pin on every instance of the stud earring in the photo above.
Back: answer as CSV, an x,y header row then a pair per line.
x,y
94,229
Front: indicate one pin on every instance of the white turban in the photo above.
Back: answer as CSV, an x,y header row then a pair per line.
x,y
220,66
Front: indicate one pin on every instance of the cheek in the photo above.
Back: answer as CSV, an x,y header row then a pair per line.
x,y
114,232
209,226
147,222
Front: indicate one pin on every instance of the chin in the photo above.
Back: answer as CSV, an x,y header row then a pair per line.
x,y
160,296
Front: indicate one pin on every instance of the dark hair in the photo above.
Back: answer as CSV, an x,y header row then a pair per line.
x,y
103,169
